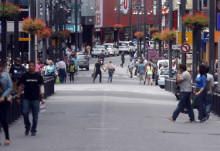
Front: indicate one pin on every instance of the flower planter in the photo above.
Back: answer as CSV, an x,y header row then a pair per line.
x,y
45,33
168,35
58,35
197,21
66,33
31,26
10,10
118,26
139,35
156,36
154,29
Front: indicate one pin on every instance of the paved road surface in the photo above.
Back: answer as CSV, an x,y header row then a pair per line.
x,y
122,116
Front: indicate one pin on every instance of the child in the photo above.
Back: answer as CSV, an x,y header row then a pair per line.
x,y
71,70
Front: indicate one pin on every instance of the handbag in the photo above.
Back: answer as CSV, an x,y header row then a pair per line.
x,y
57,80
43,107
93,75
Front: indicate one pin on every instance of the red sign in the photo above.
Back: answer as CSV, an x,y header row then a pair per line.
x,y
166,47
185,48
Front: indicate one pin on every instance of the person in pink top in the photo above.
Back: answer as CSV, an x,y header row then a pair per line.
x,y
39,66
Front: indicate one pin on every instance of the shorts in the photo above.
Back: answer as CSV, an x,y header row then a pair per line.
x,y
141,76
149,76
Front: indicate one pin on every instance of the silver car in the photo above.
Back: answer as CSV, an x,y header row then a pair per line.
x,y
126,46
97,49
83,61
112,49
164,74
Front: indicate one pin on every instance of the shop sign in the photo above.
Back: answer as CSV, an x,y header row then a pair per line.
x,y
125,7
98,13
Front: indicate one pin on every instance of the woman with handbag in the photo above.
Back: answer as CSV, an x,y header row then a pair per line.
x,y
5,90
200,92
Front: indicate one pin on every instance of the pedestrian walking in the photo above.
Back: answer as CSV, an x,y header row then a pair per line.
x,y
210,88
141,70
201,92
76,62
72,70
39,66
88,49
149,74
61,70
50,69
97,71
122,59
111,69
131,67
17,70
33,88
184,81
5,90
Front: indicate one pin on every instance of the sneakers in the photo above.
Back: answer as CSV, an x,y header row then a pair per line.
x,y
170,118
33,134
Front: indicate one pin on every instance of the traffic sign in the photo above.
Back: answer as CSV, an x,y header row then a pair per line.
x,y
166,47
24,39
185,48
176,47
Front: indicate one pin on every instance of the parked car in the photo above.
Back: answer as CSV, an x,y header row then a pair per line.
x,y
83,61
126,46
112,49
164,74
97,49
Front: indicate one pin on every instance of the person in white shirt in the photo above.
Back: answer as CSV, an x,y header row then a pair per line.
x,y
210,88
61,65
131,67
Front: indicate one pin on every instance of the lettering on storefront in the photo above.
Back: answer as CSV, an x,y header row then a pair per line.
x,y
99,13
125,7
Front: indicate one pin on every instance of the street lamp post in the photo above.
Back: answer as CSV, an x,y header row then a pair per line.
x,y
56,28
32,43
118,20
60,29
145,32
131,32
170,45
159,22
4,33
76,28
50,25
183,12
16,35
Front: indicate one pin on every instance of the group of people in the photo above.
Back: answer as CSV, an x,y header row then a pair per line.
x,y
146,70
28,80
202,93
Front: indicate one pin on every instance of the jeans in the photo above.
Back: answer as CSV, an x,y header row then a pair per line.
x,y
185,99
100,76
71,76
208,102
122,63
34,106
200,104
61,75
3,114
110,74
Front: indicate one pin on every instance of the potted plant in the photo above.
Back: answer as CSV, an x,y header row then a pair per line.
x,y
154,29
31,26
118,26
45,33
156,36
58,35
66,33
8,9
139,34
197,21
168,35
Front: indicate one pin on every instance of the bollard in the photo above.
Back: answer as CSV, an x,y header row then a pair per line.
x,y
218,105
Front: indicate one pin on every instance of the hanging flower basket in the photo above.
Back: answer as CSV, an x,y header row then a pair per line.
x,y
10,9
66,33
118,26
45,33
31,26
58,35
154,29
196,21
168,35
156,36
139,34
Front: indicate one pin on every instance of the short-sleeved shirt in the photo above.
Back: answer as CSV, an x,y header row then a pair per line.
x,y
141,68
185,85
32,83
201,82
97,67
210,79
